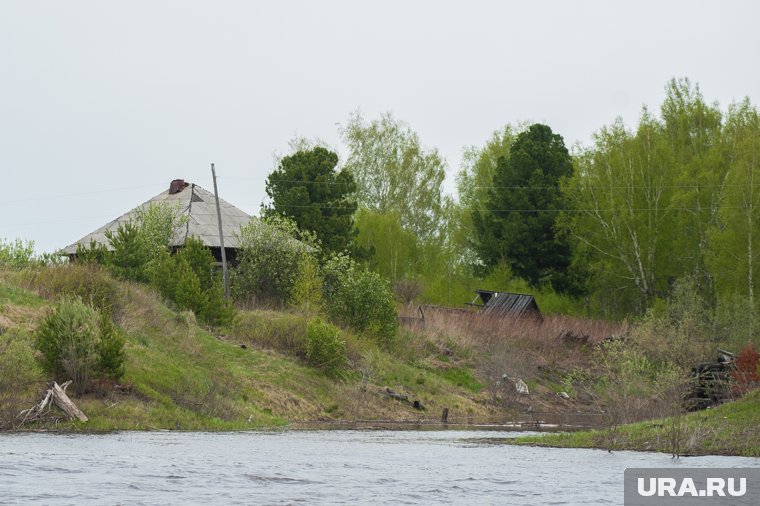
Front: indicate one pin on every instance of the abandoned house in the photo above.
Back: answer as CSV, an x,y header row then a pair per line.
x,y
197,206
506,304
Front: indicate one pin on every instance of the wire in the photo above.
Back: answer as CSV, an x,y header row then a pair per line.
x,y
81,194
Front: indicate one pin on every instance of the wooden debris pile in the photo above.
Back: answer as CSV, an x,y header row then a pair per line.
x,y
56,394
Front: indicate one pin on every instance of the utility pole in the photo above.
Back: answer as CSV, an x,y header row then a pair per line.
x,y
221,238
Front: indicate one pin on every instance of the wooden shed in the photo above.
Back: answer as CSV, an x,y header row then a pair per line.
x,y
506,304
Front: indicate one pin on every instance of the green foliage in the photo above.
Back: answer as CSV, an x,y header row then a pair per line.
x,y
735,239
475,180
130,256
307,189
271,251
110,349
187,293
94,253
17,254
68,339
395,252
676,183
80,344
324,347
307,291
394,173
138,245
360,298
19,375
189,281
201,262
518,226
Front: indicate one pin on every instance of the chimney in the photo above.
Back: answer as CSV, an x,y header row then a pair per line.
x,y
177,186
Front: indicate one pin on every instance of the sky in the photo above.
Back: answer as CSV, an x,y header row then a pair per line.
x,y
103,103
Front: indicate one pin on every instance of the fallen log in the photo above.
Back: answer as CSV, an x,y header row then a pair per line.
x,y
57,395
62,401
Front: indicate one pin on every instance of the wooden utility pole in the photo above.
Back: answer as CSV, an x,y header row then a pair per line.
x,y
221,238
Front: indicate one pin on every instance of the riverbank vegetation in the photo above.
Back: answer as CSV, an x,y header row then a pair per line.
x,y
640,250
729,429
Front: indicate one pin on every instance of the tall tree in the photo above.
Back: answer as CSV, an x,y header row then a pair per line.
x,y
693,130
518,225
307,188
735,240
394,173
621,195
474,182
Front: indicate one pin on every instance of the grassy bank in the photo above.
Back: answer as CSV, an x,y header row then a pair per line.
x,y
180,375
730,429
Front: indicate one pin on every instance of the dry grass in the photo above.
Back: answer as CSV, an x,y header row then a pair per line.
x,y
540,352
552,337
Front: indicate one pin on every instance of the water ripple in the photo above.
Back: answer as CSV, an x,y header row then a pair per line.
x,y
314,467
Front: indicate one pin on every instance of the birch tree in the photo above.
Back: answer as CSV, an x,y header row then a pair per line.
x,y
621,196
394,173
735,240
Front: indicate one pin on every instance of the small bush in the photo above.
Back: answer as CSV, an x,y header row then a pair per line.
x,y
324,347
307,291
78,344
110,349
129,259
745,376
188,280
360,298
19,373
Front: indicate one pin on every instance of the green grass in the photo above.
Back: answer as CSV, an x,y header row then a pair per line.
x,y
730,429
18,296
461,377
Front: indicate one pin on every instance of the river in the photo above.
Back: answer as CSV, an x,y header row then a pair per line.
x,y
313,467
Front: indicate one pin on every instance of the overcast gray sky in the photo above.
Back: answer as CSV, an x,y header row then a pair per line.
x,y
103,103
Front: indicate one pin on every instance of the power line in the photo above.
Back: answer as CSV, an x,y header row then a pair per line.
x,y
82,194
521,187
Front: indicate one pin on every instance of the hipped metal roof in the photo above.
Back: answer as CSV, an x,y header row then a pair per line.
x,y
192,201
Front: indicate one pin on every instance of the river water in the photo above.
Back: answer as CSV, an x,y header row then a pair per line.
x,y
313,467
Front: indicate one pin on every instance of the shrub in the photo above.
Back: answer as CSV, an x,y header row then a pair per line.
x,y
68,339
110,349
187,280
360,298
77,343
745,375
307,291
17,254
129,258
271,252
137,245
324,347
19,373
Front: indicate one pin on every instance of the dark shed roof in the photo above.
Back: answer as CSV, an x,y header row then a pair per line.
x,y
507,304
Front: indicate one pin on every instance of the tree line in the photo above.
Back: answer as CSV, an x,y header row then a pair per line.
x,y
608,229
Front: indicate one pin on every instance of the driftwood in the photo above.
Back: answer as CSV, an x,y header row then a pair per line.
x,y
56,394
404,398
